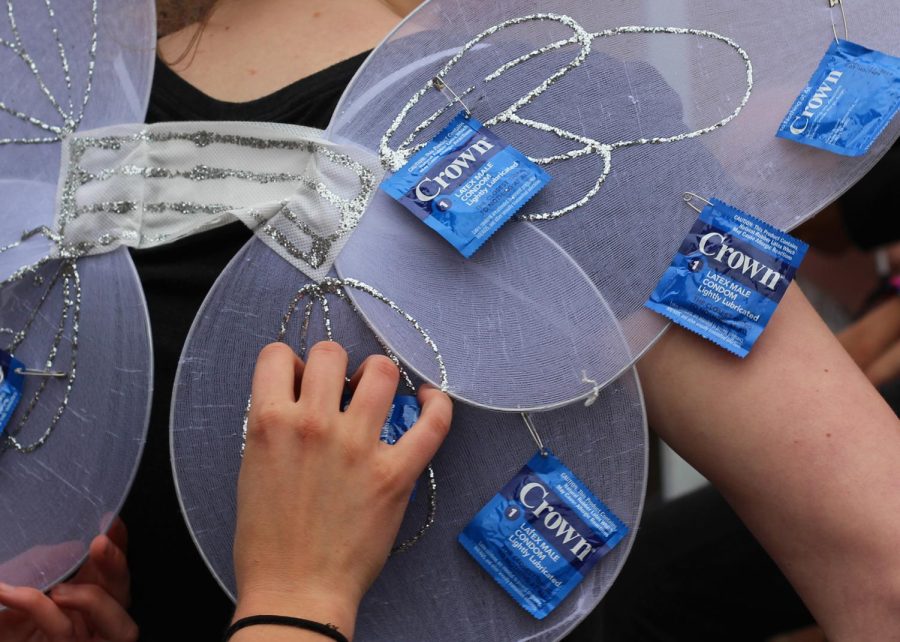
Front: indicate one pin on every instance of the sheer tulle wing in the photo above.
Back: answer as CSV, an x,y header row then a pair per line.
x,y
72,445
627,105
606,445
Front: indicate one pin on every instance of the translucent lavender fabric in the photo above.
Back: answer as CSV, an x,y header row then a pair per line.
x,y
72,446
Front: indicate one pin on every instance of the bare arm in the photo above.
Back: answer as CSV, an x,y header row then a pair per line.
x,y
804,449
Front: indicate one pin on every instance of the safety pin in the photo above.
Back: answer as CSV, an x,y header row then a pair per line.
x,y
690,196
441,86
28,372
833,4
534,434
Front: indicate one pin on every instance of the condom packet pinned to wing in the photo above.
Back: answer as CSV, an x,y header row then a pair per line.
x,y
850,99
466,183
541,534
728,277
403,414
11,380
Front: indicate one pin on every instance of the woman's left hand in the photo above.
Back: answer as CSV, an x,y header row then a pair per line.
x,y
89,607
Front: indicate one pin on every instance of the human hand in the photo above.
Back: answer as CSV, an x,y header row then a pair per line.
x,y
320,497
89,607
872,341
886,368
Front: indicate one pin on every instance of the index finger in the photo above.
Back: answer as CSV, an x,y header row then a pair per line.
x,y
45,614
419,445
110,568
278,369
108,618
118,533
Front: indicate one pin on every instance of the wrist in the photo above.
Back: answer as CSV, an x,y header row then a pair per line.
x,y
318,606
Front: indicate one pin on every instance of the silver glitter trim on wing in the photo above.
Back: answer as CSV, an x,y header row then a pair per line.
x,y
72,113
68,279
145,185
394,159
318,293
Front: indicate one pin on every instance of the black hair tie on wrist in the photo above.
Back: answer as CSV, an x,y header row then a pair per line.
x,y
328,630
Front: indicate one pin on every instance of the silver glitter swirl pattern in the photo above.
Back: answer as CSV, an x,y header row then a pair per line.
x,y
72,113
34,267
319,246
318,293
69,318
10,246
394,159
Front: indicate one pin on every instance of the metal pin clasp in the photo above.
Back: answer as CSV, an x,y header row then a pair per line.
x,y
534,434
439,84
690,197
839,3
28,372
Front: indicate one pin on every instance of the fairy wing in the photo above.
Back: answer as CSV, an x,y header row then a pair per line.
x,y
251,305
70,449
627,105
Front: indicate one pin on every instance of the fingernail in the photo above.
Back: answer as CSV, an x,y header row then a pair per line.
x,y
61,589
5,588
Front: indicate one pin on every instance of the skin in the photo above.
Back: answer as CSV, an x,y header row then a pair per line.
x,y
246,51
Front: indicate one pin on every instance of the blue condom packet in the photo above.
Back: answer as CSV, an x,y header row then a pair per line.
x,y
728,277
541,534
850,99
466,183
403,414
10,387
